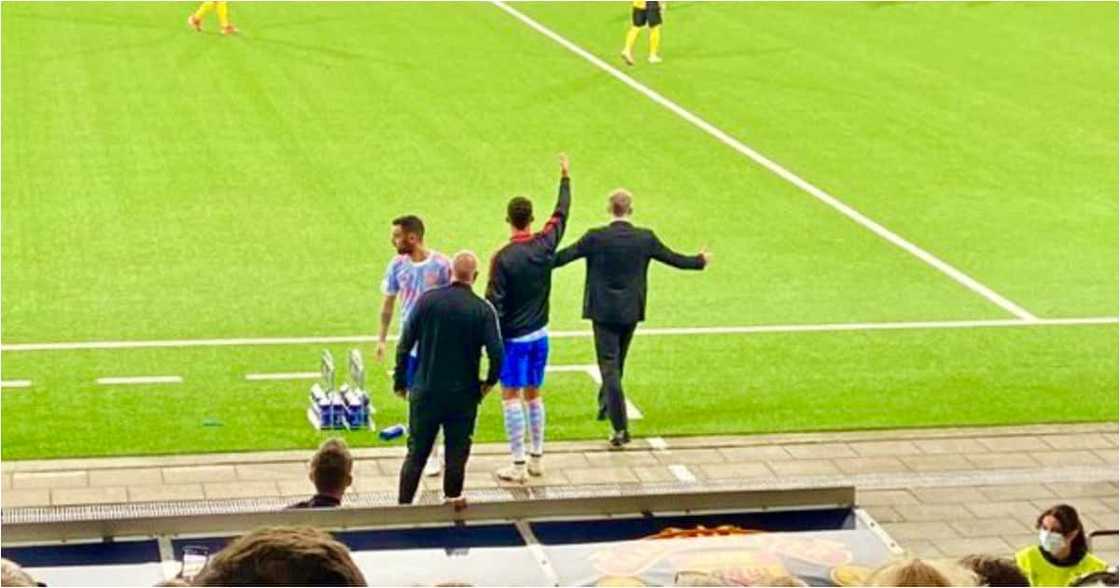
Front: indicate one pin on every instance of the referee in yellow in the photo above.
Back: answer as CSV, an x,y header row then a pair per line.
x,y
195,20
645,12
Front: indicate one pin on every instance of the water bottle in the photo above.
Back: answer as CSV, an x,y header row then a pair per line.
x,y
390,433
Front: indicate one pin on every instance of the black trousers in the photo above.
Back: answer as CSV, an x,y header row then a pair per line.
x,y
424,421
612,343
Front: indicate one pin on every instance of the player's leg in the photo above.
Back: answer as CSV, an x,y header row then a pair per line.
x,y
195,19
223,18
422,428
513,378
637,21
654,20
534,403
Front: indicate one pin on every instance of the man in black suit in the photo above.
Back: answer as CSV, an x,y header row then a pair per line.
x,y
450,326
614,296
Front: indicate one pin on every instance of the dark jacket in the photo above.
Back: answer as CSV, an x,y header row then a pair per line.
x,y
317,501
452,325
521,273
618,257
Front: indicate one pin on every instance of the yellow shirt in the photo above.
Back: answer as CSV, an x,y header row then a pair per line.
x,y
641,4
1041,572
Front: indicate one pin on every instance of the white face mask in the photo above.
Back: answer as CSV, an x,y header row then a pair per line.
x,y
1051,541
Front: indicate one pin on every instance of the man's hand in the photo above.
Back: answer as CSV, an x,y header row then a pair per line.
x,y
564,165
380,353
706,256
403,393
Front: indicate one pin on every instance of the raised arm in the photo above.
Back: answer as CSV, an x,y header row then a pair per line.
x,y
669,257
553,230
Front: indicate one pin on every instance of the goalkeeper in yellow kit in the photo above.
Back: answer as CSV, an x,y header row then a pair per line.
x,y
195,20
645,12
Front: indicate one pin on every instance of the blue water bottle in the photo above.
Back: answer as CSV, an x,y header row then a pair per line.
x,y
390,433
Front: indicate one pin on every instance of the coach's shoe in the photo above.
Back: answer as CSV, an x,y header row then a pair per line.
x,y
535,468
513,473
629,59
618,440
194,23
458,503
654,58
230,30
434,465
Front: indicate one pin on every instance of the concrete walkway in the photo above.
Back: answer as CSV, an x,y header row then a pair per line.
x,y
938,492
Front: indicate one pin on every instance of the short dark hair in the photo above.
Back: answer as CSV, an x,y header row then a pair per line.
x,y
410,224
995,571
519,212
1070,522
282,556
331,466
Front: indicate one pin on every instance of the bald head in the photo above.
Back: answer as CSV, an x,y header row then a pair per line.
x,y
619,203
464,267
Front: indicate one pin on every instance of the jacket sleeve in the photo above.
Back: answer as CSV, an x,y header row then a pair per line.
x,y
553,230
572,252
496,285
669,257
409,334
492,339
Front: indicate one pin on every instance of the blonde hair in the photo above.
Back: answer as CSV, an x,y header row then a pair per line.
x,y
918,572
620,202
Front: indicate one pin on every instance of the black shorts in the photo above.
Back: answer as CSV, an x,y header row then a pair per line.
x,y
650,15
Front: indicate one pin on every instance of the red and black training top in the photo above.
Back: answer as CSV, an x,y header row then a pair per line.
x,y
521,273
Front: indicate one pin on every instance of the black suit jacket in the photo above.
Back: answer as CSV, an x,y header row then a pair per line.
x,y
618,257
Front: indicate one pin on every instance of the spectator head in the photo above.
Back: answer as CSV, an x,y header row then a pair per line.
x,y
464,267
519,213
620,203
282,556
1103,578
173,582
13,575
1061,534
408,233
995,571
917,572
331,468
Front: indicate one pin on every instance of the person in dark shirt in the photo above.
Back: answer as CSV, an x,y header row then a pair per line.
x,y
449,327
331,469
614,296
519,288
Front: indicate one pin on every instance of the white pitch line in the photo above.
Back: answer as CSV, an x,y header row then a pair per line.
x,y
141,380
283,376
778,170
15,384
632,411
657,444
642,331
682,473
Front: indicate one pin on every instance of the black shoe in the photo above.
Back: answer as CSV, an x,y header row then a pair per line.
x,y
618,440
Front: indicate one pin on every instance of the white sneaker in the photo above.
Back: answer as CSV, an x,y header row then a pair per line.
x,y
654,59
434,467
536,468
513,473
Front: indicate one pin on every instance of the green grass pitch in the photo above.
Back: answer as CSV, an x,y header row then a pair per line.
x,y
160,184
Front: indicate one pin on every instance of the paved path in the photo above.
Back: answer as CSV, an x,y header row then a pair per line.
x,y
938,492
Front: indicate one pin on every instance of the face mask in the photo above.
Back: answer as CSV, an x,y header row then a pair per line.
x,y
1050,541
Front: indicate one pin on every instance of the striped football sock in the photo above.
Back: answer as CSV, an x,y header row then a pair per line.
x,y
536,425
515,428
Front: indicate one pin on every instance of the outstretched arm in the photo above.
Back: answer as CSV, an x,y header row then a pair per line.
x,y
571,253
672,258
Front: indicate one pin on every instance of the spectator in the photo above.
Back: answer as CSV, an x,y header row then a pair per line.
x,y
917,572
330,472
995,571
282,556
13,575
1062,553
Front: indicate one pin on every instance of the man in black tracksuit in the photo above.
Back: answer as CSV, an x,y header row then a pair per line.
x,y
450,326
614,296
520,284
